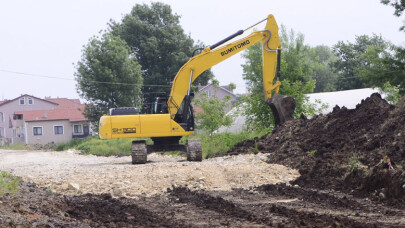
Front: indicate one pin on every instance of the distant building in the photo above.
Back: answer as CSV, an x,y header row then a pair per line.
x,y
32,120
216,91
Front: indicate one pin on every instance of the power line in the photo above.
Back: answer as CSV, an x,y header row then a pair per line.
x,y
69,79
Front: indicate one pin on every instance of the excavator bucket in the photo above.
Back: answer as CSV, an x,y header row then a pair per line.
x,y
282,107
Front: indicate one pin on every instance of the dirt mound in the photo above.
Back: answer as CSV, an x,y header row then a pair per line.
x,y
361,149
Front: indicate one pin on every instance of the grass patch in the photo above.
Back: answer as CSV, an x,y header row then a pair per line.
x,y
97,146
8,183
312,153
174,153
221,143
109,147
19,146
72,143
216,144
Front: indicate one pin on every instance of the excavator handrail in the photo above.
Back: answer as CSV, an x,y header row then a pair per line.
x,y
190,71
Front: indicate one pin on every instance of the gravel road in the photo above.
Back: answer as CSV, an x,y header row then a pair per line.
x,y
70,173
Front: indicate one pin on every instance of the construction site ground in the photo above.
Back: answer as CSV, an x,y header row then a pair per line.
x,y
344,169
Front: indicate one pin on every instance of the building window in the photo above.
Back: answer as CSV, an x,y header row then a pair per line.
x,y
77,129
1,117
58,130
30,101
37,130
22,100
18,116
1,132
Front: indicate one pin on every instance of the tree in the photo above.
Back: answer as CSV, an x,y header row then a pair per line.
x,y
323,73
213,114
297,69
392,94
159,44
351,58
107,76
231,86
296,64
384,65
258,113
215,82
399,7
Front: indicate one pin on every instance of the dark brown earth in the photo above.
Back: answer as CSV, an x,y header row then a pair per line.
x,y
265,206
345,182
347,150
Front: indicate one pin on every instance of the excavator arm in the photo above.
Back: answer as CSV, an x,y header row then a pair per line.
x,y
212,55
166,125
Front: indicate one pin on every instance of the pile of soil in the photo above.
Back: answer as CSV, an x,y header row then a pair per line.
x,y
360,150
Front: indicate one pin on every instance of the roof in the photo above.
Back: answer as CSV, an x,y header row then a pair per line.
x,y
67,109
65,103
73,115
24,95
215,86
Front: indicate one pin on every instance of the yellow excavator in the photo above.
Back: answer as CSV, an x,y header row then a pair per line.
x,y
172,117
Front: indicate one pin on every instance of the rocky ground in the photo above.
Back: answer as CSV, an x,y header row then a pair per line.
x,y
350,164
70,173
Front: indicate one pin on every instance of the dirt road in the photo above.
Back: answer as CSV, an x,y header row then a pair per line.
x,y
71,173
236,191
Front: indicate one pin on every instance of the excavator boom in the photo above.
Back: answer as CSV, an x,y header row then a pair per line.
x,y
214,54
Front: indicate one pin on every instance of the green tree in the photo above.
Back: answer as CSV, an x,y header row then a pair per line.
x,y
399,7
107,76
385,64
351,58
297,69
213,114
159,43
296,64
215,82
231,86
396,61
258,113
323,73
392,94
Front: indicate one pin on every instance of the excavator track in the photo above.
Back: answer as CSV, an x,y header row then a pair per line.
x,y
139,152
194,151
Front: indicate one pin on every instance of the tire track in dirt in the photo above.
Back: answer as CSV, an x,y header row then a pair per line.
x,y
215,203
189,214
281,210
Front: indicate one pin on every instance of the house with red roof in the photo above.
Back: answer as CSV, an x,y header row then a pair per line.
x,y
32,120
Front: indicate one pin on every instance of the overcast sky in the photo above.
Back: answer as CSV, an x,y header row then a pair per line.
x,y
45,37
